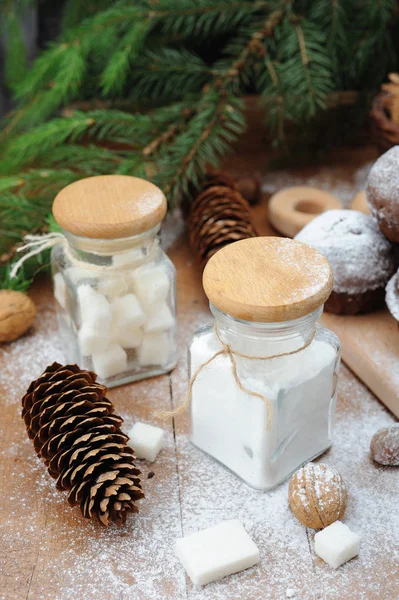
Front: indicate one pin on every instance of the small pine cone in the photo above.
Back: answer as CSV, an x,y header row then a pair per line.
x,y
219,216
80,441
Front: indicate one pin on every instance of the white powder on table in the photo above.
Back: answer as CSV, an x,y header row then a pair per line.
x,y
75,559
324,178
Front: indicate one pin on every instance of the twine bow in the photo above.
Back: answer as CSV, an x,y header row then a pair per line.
x,y
36,244
226,350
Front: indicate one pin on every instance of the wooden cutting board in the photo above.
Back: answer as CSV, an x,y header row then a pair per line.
x,y
370,347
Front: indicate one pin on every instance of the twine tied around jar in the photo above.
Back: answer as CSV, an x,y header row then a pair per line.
x,y
226,350
35,244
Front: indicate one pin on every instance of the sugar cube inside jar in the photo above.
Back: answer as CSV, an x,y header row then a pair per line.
x,y
264,403
115,288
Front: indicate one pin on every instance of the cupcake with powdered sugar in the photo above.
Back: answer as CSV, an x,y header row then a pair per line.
x,y
392,296
383,193
361,258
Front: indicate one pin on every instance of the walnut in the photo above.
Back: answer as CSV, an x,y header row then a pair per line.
x,y
317,495
17,313
384,446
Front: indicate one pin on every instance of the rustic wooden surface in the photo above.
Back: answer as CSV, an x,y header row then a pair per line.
x,y
48,552
370,347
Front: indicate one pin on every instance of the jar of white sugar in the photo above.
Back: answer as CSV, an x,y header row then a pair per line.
x,y
114,286
264,374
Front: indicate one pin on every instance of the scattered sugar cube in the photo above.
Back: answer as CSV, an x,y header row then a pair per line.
x,y
112,285
60,290
128,336
159,318
146,440
127,258
79,275
91,341
151,284
95,309
154,349
126,311
336,544
213,553
110,362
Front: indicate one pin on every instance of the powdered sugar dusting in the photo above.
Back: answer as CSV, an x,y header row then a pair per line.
x,y
172,228
383,186
360,256
313,271
322,480
385,446
324,179
392,296
50,552
27,358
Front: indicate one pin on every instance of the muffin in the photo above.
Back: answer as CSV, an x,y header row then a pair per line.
x,y
383,193
392,296
361,258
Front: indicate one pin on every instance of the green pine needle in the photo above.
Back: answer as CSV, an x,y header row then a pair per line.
x,y
131,87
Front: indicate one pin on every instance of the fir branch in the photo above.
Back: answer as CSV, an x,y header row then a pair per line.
x,y
57,76
169,73
15,63
21,283
116,71
116,57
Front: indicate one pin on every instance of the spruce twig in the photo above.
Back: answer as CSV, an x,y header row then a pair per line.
x,y
129,88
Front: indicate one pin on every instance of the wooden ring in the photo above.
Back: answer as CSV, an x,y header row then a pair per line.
x,y
359,203
292,208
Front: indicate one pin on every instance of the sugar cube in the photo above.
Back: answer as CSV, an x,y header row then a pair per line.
x,y
336,544
159,318
79,275
60,290
154,349
150,284
126,311
146,440
112,285
95,309
127,258
218,551
127,336
110,362
91,340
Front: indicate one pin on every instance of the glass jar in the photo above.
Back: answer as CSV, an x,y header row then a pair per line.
x,y
291,365
115,297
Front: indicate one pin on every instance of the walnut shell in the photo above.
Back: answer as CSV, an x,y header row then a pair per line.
x,y
17,313
317,495
384,446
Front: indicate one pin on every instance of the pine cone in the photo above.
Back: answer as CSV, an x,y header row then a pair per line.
x,y
74,431
219,216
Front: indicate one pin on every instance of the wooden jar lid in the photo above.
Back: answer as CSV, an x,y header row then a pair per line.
x,y
267,279
109,207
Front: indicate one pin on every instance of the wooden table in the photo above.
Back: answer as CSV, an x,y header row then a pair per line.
x,y
47,551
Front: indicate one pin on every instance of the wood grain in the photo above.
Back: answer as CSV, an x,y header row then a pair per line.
x,y
267,279
370,347
109,206
48,552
